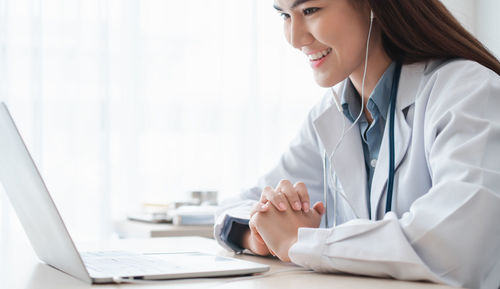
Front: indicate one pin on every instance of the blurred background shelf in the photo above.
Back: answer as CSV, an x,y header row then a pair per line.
x,y
135,229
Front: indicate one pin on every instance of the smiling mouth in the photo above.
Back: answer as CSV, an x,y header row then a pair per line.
x,y
319,55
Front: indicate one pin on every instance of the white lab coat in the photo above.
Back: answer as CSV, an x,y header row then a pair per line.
x,y
445,223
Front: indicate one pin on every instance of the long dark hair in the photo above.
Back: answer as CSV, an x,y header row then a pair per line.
x,y
421,30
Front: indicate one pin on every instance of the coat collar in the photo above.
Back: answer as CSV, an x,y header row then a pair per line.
x,y
348,161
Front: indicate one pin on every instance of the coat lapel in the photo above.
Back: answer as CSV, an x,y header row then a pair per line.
x,y
348,161
408,86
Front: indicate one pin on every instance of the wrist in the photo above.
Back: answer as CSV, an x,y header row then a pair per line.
x,y
245,239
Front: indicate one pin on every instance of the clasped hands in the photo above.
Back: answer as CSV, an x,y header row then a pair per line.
x,y
276,218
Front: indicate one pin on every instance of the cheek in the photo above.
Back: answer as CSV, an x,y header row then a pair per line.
x,y
348,43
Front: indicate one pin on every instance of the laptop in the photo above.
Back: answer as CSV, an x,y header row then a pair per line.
x,y
53,244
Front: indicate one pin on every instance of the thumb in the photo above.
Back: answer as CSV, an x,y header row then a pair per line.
x,y
255,233
319,207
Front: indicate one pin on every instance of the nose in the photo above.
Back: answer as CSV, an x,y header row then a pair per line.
x,y
298,35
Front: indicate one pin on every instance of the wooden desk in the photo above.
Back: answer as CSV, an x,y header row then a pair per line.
x,y
20,268
135,229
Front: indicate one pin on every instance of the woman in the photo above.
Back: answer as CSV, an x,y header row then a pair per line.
x,y
405,144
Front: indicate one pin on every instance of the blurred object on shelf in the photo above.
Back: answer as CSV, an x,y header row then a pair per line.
x,y
199,210
132,229
156,213
194,215
204,197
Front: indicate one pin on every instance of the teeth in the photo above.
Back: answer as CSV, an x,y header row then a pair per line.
x,y
319,55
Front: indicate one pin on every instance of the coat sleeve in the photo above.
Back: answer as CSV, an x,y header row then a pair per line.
x,y
301,162
452,233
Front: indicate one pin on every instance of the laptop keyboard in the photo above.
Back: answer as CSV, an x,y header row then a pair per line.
x,y
117,263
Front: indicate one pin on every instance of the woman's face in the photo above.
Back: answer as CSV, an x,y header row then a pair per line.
x,y
332,33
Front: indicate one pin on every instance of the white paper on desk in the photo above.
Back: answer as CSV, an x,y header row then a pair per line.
x,y
194,215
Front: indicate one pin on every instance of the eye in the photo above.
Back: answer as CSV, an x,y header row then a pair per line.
x,y
309,11
284,16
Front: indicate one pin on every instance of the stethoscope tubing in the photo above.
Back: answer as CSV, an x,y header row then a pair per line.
x,y
390,181
392,149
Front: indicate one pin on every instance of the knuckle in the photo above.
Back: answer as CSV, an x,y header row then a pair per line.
x,y
301,189
284,182
300,185
267,190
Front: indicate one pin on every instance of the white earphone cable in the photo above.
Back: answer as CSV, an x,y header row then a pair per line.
x,y
362,90
344,131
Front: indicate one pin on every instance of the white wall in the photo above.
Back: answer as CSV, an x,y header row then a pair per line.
x,y
488,24
464,11
481,17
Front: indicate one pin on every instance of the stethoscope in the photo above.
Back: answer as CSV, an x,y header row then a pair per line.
x,y
390,181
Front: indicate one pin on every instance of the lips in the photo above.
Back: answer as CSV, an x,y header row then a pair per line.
x,y
318,58
319,55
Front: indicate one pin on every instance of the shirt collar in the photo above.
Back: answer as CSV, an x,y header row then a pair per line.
x,y
380,96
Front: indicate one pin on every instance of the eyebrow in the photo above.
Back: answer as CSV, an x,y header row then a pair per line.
x,y
295,4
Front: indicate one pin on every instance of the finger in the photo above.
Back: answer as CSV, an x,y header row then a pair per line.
x,y
255,242
276,198
255,209
279,201
259,208
270,195
257,236
286,187
264,207
301,190
265,193
319,208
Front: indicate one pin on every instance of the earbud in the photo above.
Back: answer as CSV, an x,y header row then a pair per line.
x,y
372,16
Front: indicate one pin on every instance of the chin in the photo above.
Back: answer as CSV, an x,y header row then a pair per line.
x,y
325,81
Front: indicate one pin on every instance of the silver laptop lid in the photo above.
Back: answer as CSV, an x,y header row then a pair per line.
x,y
32,202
